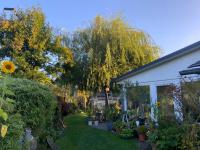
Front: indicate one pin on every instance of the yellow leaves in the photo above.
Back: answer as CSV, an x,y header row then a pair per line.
x,y
5,24
8,67
4,129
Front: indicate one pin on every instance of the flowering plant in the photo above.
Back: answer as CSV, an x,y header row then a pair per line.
x,y
6,104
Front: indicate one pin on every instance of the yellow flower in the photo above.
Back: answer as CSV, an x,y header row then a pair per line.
x,y
117,107
158,104
4,129
8,67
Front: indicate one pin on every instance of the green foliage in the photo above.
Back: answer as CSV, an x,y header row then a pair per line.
x,y
112,113
14,134
35,103
167,136
142,130
126,133
191,137
118,125
9,118
109,48
29,41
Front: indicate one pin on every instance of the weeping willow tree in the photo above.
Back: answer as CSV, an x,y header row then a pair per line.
x,y
109,48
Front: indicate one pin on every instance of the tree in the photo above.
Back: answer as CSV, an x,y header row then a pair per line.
x,y
29,41
110,48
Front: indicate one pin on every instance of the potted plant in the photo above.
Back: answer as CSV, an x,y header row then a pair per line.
x,y
90,118
109,116
118,126
126,133
96,122
142,133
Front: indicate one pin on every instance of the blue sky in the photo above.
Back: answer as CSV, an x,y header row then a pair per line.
x,y
172,24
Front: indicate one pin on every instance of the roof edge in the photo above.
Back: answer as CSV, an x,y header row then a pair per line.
x,y
164,59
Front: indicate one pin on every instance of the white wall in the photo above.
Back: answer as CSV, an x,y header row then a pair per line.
x,y
165,73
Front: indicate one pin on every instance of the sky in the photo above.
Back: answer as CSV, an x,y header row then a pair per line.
x,y
172,24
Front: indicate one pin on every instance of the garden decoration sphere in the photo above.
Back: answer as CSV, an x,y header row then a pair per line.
x,y
107,89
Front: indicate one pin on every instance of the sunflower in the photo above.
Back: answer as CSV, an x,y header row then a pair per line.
x,y
158,104
8,67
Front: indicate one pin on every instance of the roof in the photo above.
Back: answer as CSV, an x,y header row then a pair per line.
x,y
195,64
172,56
192,69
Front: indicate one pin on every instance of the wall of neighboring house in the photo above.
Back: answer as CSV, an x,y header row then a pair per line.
x,y
167,72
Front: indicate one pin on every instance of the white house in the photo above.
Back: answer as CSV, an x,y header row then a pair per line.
x,y
164,71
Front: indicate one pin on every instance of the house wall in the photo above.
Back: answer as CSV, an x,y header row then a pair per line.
x,y
165,73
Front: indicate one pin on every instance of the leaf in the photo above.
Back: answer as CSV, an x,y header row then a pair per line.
x,y
4,129
3,114
10,100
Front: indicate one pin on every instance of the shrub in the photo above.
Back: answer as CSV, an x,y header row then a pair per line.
x,y
126,133
11,123
118,126
191,137
14,134
167,137
68,108
35,103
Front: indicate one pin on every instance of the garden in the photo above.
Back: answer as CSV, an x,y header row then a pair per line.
x,y
47,79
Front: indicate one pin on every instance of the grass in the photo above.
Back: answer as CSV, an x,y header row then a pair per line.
x,y
79,136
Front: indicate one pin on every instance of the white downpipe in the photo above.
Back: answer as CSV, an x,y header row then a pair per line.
x,y
153,98
125,107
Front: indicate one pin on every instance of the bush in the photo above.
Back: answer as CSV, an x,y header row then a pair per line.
x,y
35,103
68,108
14,134
126,133
11,123
191,137
166,137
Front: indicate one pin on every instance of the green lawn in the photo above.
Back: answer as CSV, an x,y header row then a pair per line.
x,y
79,136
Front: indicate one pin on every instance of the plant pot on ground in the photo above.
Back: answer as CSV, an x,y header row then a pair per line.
x,y
142,133
96,122
90,121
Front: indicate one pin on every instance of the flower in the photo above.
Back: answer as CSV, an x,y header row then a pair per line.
x,y
8,67
158,104
4,129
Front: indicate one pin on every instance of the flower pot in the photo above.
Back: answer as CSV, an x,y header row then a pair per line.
x,y
109,125
142,137
90,122
96,122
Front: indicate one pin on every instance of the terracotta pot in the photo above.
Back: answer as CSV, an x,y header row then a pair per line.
x,y
142,137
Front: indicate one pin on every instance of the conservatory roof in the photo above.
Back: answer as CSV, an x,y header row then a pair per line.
x,y
192,69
